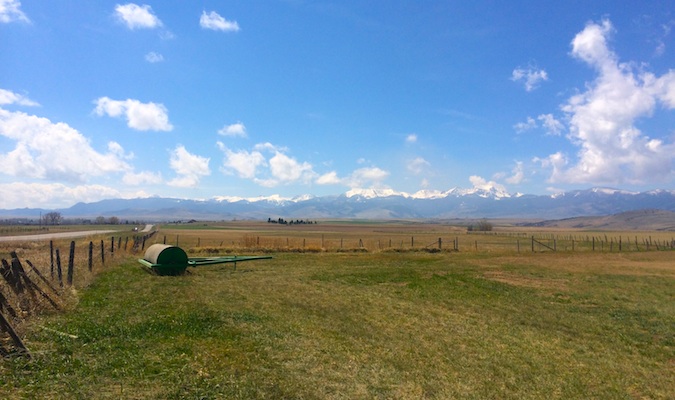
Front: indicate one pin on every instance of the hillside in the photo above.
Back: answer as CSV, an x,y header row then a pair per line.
x,y
647,220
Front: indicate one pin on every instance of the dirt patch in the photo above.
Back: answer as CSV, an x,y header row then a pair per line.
x,y
526,281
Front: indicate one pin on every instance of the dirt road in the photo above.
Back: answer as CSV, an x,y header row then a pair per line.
x,y
61,235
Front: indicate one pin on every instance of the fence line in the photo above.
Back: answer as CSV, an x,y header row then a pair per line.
x,y
26,291
491,241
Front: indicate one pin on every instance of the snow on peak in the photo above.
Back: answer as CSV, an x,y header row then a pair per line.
x,y
489,192
373,193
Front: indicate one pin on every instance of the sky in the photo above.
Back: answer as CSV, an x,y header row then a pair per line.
x,y
211,99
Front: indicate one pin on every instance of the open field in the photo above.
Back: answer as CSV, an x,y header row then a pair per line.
x,y
381,323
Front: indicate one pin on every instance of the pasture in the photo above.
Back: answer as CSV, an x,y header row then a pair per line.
x,y
342,313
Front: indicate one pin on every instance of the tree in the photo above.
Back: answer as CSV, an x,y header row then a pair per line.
x,y
113,220
483,226
99,220
53,218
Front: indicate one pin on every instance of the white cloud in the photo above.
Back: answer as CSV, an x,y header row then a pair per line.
x,y
366,177
411,138
8,97
47,150
58,195
153,57
215,22
418,165
531,76
360,178
10,11
142,178
521,127
612,149
140,116
662,38
285,169
242,162
482,184
553,126
135,16
518,175
234,130
329,178
189,167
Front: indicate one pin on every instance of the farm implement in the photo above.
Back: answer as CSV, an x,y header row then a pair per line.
x,y
164,259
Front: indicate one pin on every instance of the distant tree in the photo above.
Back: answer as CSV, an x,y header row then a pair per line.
x,y
53,218
482,226
100,220
113,220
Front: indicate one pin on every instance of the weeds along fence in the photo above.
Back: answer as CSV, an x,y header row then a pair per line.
x,y
469,242
30,287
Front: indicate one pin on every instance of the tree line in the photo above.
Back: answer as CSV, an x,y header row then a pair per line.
x,y
282,221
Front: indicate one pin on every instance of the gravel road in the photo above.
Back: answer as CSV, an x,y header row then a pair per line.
x,y
60,235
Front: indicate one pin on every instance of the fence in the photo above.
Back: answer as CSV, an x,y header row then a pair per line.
x,y
27,288
477,242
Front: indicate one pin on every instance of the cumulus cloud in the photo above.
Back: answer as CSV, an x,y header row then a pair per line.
x,y
47,150
153,57
140,116
142,178
482,184
602,119
189,168
418,165
285,169
10,11
58,195
279,169
329,178
215,22
245,164
8,97
517,174
137,17
553,126
367,177
234,130
530,76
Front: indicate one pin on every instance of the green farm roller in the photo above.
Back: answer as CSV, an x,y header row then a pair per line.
x,y
165,259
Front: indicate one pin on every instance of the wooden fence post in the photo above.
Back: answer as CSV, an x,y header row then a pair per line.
x,y
58,267
102,253
71,263
91,256
51,257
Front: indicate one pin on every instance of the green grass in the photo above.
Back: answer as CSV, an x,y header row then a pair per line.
x,y
374,325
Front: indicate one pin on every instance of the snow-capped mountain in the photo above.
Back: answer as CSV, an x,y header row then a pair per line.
x,y
376,204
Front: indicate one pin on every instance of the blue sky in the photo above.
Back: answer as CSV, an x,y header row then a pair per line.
x,y
203,99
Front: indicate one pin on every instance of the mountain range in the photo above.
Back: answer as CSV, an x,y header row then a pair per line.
x,y
374,204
